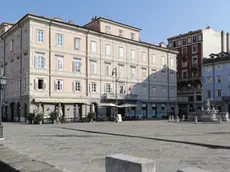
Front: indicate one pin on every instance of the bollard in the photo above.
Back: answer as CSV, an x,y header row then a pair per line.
x,y
177,119
220,119
125,163
170,119
196,120
183,117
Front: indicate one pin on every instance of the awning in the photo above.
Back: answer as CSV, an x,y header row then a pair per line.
x,y
51,100
126,105
107,104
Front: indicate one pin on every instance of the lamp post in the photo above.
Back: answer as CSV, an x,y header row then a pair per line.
x,y
114,72
2,83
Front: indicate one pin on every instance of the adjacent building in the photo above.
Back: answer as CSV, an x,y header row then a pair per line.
x,y
193,47
216,80
49,62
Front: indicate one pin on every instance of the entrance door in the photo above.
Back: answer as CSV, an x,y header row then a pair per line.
x,y
12,111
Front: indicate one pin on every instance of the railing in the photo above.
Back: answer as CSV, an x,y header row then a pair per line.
x,y
121,96
182,99
226,98
189,79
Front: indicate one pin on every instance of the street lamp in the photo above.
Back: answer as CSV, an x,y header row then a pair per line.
x,y
2,83
114,72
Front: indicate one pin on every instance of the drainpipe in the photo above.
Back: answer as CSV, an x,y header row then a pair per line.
x,y
222,41
149,81
168,77
50,82
4,68
87,63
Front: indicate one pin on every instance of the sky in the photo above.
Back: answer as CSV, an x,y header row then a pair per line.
x,y
158,19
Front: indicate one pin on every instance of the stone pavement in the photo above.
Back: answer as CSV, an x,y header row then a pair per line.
x,y
82,147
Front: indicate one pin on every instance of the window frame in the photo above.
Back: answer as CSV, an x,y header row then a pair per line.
x,y
40,36
79,43
59,40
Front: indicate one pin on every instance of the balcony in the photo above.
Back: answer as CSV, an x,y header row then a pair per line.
x,y
182,99
194,78
112,96
194,66
184,65
226,98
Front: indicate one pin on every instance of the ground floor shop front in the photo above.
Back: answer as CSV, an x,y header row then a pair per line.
x,y
16,110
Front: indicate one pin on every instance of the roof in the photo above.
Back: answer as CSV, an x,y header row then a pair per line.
x,y
217,58
185,34
86,29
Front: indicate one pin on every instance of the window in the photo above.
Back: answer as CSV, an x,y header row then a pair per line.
x,y
144,56
184,41
12,86
163,61
228,77
189,40
121,51
199,37
132,36
208,68
153,75
107,49
77,66
153,58
144,89
172,92
93,87
174,44
172,62
218,79
121,33
194,49
194,60
133,54
163,74
179,43
209,80
12,45
40,84
209,93
107,29
18,85
25,81
194,39
198,98
219,92
59,85
121,71
170,44
153,91
60,61
59,40
219,67
93,47
107,69
77,86
93,69
40,61
77,43
133,73
108,88
184,74
144,73
172,76
163,92
40,36
184,51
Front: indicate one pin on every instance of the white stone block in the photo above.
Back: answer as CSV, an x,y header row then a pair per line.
x,y
126,163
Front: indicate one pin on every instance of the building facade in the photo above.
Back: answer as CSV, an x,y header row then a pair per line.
x,y
193,47
216,81
49,62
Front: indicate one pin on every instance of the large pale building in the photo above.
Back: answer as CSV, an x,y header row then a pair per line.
x,y
49,61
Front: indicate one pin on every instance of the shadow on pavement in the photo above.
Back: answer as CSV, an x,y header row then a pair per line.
x,y
211,146
67,135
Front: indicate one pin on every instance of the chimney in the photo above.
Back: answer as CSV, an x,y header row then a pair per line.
x,y
227,42
161,44
222,41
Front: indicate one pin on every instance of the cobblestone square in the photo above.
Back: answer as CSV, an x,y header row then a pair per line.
x,y
82,147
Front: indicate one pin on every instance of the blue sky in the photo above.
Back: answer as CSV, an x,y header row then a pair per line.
x,y
158,19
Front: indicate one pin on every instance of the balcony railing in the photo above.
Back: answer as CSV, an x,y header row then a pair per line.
x,y
182,99
189,79
226,98
112,96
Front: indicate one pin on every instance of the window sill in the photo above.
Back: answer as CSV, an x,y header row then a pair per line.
x,y
40,42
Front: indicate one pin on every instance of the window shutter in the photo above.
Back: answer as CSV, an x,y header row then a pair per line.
x,y
97,88
74,86
44,84
80,86
44,58
105,88
111,88
73,67
89,87
36,84
55,85
61,85
35,62
81,67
